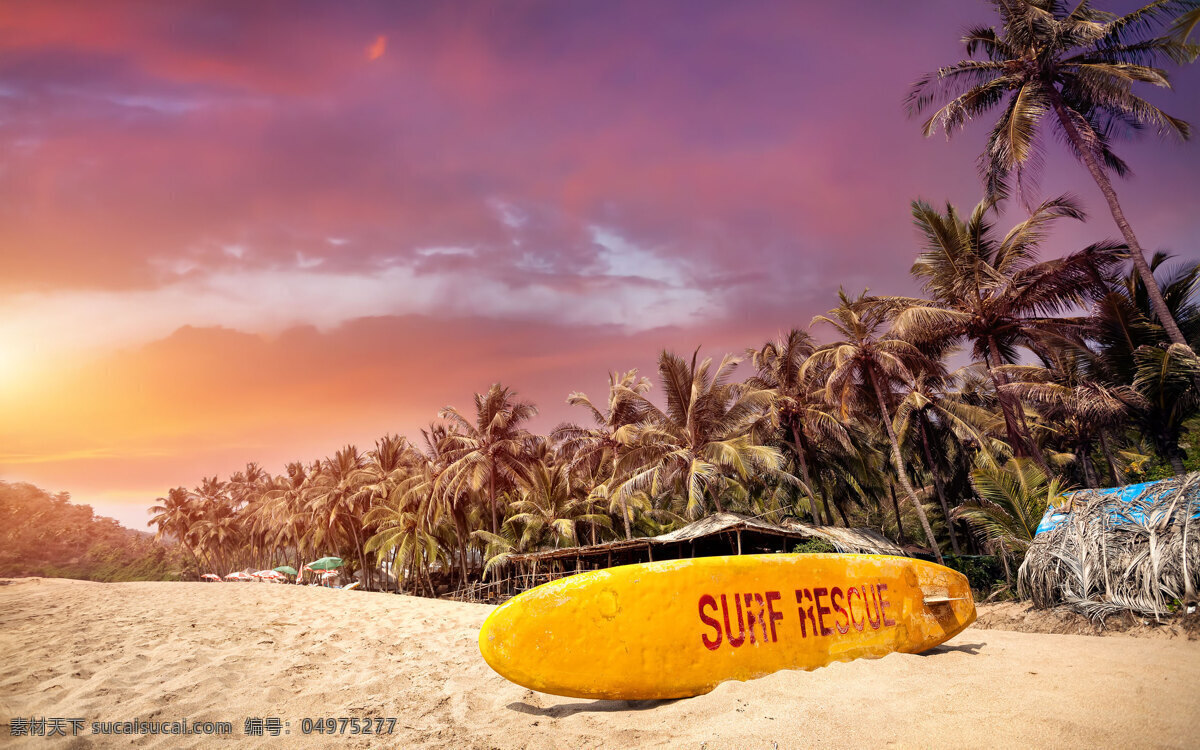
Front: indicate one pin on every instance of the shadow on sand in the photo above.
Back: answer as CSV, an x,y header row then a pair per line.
x,y
569,709
965,648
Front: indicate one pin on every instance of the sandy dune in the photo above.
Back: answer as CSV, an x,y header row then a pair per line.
x,y
225,652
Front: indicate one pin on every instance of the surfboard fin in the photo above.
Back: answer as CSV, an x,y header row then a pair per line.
x,y
943,599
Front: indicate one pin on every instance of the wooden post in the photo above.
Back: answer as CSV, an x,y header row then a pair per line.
x,y
650,551
739,538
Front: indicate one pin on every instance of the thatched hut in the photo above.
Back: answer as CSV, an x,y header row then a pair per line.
x,y
718,534
1133,548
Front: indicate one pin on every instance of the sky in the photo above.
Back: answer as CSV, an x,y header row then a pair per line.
x,y
237,232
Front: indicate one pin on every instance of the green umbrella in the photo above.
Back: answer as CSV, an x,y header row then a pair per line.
x,y
286,569
325,563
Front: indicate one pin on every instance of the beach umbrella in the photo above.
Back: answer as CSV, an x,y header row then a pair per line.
x,y
211,577
325,563
286,569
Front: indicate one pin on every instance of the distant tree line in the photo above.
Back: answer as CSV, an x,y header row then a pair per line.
x,y
46,535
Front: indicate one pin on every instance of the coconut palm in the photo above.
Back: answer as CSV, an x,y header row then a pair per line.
x,y
486,452
1128,346
1073,68
406,528
1164,377
995,293
551,507
602,444
935,418
1011,502
173,516
859,371
812,432
703,437
336,505
1082,411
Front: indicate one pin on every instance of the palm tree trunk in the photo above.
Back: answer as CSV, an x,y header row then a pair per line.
x,y
798,446
1011,428
896,510
1081,455
898,460
362,559
1017,430
1135,249
461,528
1118,475
492,495
841,513
621,497
937,486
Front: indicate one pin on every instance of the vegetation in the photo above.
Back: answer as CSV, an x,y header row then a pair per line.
x,y
1071,68
871,429
1082,373
46,535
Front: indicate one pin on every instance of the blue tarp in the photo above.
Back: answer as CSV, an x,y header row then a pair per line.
x,y
1145,493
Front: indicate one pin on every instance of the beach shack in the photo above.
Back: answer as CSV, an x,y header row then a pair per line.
x,y
1134,548
718,534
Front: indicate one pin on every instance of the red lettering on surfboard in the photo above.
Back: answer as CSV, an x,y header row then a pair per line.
x,y
755,616
872,621
884,604
806,613
834,594
772,615
741,638
822,610
852,592
708,601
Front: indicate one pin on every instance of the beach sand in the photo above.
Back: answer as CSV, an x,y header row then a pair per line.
x,y
228,652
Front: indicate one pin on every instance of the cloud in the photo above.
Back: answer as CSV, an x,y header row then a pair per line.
x,y
377,48
206,400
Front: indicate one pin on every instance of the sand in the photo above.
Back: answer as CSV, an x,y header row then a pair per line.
x,y
228,652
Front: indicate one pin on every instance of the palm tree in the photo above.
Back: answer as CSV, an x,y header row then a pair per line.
x,y
813,430
336,505
1011,502
1082,410
857,369
603,443
292,519
173,517
1074,67
489,448
552,506
995,293
1129,347
425,489
405,521
704,436
937,419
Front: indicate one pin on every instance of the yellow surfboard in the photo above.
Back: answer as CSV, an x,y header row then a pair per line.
x,y
679,628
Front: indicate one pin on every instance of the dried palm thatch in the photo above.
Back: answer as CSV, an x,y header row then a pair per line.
x,y
1116,553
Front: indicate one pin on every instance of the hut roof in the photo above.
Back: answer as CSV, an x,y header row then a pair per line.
x,y
1129,548
844,540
